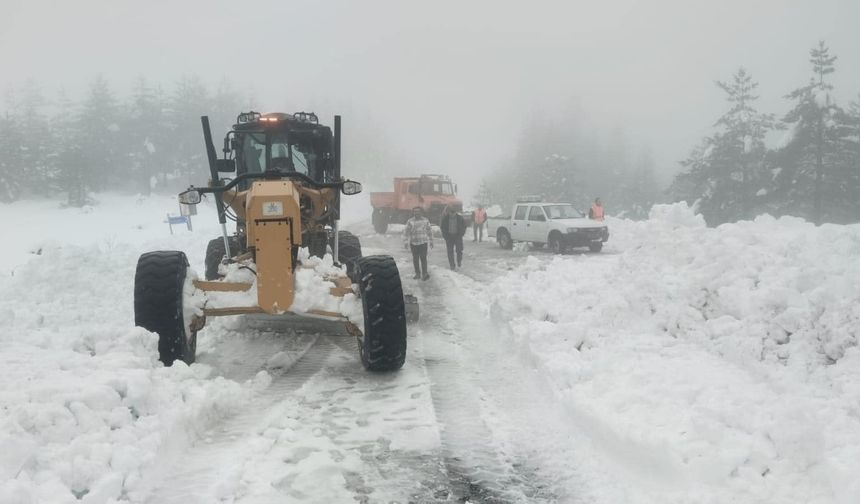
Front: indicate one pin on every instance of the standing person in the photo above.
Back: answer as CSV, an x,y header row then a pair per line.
x,y
417,237
596,211
479,217
453,228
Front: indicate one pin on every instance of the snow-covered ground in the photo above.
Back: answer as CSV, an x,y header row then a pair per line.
x,y
685,364
706,365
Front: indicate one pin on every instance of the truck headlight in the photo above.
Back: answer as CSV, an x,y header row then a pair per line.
x,y
572,230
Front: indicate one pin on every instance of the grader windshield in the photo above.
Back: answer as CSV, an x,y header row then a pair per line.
x,y
287,143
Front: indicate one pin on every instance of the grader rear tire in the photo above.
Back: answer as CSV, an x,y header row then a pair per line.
x,y
158,284
317,243
215,253
350,250
382,347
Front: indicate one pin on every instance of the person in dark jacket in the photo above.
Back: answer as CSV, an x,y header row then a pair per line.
x,y
453,228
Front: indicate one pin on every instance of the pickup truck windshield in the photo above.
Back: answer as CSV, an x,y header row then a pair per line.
x,y
562,212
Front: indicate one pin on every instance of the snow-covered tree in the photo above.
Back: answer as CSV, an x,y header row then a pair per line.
x,y
614,185
190,100
145,136
484,196
816,178
99,137
10,159
726,172
35,143
643,188
69,171
852,166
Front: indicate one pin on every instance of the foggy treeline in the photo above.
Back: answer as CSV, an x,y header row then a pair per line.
x,y
149,139
805,162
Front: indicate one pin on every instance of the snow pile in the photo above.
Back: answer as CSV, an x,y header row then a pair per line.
x,y
313,289
676,214
85,405
87,412
716,365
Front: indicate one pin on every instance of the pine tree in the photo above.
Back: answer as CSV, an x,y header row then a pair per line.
x,y
99,129
815,179
34,150
68,170
744,132
852,161
615,186
144,135
11,175
484,196
190,100
644,188
722,172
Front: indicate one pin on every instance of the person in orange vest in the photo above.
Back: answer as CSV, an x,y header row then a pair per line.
x,y
596,211
479,217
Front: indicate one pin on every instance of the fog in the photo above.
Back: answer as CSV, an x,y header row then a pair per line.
x,y
448,84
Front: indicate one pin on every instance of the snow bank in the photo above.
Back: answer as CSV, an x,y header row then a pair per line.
x,y
85,404
86,409
712,365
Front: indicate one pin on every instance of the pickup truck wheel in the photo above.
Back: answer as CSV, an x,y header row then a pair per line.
x,y
380,221
504,239
595,246
556,243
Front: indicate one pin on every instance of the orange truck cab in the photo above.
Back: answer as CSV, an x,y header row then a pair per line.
x,y
431,192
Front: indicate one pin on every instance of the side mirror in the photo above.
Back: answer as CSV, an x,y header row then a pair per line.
x,y
189,197
225,165
351,187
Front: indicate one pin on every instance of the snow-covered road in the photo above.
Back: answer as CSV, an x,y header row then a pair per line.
x,y
682,364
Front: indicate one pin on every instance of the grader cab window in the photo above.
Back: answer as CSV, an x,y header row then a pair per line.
x,y
254,152
288,153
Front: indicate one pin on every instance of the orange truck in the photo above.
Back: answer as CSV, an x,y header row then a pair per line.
x,y
431,192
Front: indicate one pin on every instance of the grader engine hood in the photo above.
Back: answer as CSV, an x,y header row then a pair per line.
x,y
274,226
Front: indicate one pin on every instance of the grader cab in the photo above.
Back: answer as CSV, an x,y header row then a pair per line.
x,y
283,195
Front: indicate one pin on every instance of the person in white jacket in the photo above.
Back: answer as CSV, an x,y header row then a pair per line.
x,y
417,236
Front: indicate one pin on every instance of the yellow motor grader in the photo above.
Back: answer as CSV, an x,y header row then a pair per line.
x,y
284,194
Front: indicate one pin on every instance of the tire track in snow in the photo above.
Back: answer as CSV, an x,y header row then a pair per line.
x,y
205,472
479,468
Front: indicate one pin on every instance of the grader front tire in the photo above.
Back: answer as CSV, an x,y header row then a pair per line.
x,y
158,294
382,347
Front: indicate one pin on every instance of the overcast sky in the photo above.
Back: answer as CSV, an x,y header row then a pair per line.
x,y
450,82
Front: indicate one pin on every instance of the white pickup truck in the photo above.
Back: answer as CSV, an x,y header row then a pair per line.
x,y
559,225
